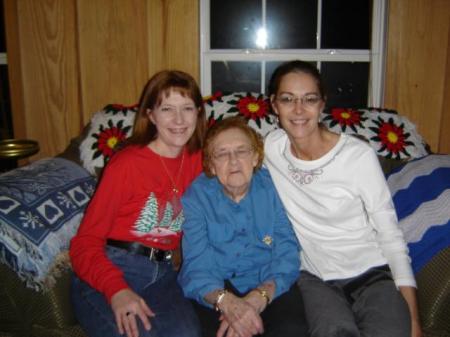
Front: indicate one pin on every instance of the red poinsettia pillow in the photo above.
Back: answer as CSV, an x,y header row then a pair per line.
x,y
108,129
393,136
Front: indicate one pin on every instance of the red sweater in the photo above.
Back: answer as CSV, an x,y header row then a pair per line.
x,y
133,202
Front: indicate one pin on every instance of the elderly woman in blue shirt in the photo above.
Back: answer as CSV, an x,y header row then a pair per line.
x,y
240,254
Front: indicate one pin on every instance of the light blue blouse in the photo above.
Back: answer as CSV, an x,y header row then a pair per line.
x,y
247,243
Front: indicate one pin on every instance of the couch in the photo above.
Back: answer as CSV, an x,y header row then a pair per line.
x,y
41,206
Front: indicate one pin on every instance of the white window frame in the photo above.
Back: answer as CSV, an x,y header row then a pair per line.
x,y
375,56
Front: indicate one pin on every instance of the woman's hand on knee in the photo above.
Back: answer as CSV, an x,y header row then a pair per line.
x,y
127,307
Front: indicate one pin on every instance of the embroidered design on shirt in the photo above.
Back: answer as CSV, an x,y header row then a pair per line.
x,y
267,240
303,177
151,222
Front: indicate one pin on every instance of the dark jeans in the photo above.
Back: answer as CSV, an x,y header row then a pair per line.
x,y
367,305
155,282
284,317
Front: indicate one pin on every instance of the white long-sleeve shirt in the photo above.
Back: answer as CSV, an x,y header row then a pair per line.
x,y
341,209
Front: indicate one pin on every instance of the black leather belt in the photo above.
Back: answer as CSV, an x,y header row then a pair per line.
x,y
153,254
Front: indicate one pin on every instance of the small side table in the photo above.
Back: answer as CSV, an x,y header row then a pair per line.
x,y
12,150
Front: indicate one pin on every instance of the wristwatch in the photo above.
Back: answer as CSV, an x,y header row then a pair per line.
x,y
264,294
219,298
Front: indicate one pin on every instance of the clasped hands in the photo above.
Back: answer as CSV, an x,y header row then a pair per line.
x,y
241,315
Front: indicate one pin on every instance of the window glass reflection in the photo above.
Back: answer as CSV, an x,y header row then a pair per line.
x,y
346,24
291,24
236,76
235,23
346,83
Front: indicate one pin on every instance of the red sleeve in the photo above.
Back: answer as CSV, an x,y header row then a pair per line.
x,y
87,248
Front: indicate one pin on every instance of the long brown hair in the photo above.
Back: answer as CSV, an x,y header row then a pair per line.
x,y
163,83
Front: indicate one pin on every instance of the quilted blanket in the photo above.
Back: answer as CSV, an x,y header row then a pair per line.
x,y
41,206
421,194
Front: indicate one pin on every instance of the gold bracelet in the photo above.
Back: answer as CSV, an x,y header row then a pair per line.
x,y
219,299
264,294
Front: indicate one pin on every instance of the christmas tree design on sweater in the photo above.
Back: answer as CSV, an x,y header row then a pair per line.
x,y
159,223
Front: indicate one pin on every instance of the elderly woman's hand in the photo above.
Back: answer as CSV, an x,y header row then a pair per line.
x,y
258,302
240,318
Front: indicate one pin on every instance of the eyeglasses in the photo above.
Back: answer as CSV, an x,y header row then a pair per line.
x,y
240,154
309,101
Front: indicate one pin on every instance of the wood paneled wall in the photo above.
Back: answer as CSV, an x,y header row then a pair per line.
x,y
418,67
68,58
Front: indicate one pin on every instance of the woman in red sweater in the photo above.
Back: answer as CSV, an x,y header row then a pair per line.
x,y
124,279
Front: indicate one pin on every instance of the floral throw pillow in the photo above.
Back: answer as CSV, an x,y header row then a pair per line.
x,y
108,129
391,135
255,107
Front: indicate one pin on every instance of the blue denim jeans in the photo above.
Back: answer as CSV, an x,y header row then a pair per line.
x,y
155,282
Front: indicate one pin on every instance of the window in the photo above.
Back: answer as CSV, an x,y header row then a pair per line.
x,y
243,41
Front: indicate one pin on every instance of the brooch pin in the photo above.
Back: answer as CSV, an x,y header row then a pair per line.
x,y
267,240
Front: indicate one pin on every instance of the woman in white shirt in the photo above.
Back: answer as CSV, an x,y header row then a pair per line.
x,y
356,278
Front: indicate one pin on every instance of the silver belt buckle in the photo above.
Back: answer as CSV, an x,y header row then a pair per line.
x,y
168,255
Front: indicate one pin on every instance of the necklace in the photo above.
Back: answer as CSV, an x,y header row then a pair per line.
x,y
304,177
174,182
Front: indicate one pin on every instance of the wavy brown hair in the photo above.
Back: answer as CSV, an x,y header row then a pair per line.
x,y
159,86
236,122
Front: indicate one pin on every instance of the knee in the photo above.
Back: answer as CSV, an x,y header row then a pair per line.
x,y
336,330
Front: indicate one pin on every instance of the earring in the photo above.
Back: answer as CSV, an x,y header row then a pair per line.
x,y
320,117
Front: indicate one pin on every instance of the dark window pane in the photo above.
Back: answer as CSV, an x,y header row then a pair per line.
x,y
291,24
346,24
236,76
346,83
234,23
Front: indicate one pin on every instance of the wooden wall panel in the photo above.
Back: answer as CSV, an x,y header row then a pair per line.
x,y
416,63
112,42
70,58
48,73
174,36
444,140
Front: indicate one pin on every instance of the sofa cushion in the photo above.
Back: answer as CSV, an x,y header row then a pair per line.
x,y
41,206
393,136
107,130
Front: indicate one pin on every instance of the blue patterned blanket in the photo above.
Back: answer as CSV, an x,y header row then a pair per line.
x,y
421,194
41,206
